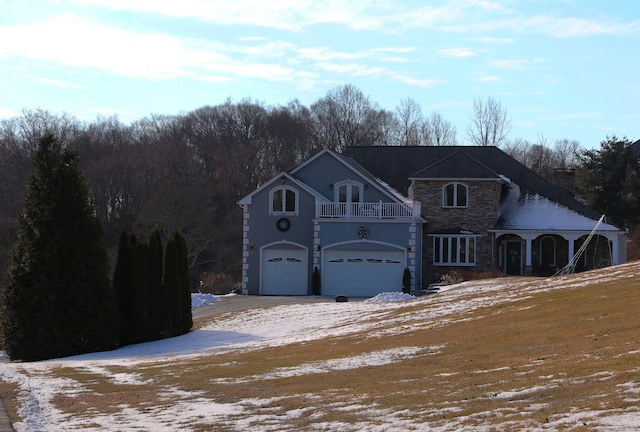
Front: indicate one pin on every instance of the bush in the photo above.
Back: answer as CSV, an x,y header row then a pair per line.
x,y
406,281
315,282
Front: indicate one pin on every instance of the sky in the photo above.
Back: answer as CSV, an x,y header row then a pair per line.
x,y
564,69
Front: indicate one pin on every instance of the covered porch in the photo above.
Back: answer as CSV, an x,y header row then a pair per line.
x,y
544,253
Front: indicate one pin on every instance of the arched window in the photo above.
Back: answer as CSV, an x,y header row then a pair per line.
x,y
284,200
454,195
348,192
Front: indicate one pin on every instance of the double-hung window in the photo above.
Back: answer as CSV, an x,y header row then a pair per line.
x,y
454,250
454,195
284,200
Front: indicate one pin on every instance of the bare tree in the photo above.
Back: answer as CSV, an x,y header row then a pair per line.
x,y
438,132
409,116
519,149
345,117
489,123
567,153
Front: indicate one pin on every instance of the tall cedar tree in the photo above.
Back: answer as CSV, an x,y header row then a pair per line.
x,y
57,299
139,294
176,281
186,321
609,181
156,299
122,275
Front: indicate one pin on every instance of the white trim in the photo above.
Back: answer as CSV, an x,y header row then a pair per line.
x,y
363,174
284,189
455,195
359,242
442,261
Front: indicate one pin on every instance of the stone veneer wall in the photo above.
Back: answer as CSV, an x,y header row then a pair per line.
x,y
480,215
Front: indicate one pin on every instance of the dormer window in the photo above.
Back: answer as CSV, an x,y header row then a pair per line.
x,y
454,195
284,200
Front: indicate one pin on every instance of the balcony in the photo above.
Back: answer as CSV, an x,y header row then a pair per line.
x,y
371,210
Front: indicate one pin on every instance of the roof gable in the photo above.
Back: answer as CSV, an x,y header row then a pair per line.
x,y
303,170
457,165
247,200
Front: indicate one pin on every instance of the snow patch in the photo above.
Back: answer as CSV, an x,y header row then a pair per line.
x,y
199,300
390,297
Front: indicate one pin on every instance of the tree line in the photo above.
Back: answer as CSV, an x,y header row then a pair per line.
x,y
187,171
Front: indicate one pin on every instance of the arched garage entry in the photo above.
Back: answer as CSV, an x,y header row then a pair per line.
x,y
284,268
362,268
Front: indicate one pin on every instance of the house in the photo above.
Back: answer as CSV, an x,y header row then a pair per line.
x,y
362,217
331,214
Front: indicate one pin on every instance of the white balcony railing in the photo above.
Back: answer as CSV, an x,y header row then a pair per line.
x,y
377,210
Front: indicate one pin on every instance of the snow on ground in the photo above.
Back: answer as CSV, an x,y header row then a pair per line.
x,y
390,296
277,326
199,300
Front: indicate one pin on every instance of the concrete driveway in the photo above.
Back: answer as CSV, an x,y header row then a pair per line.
x,y
232,303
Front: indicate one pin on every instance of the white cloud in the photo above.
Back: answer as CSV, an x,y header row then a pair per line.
x,y
380,15
7,112
292,15
457,52
570,27
81,43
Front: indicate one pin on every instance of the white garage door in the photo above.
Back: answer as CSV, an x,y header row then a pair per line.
x,y
362,273
284,272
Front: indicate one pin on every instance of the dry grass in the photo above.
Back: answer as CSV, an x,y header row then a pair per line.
x,y
527,363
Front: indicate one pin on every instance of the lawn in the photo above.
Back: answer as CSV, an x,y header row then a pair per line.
x,y
502,354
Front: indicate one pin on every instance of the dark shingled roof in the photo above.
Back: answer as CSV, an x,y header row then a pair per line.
x,y
397,164
457,162
635,148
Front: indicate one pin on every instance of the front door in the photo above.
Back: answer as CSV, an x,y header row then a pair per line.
x,y
513,258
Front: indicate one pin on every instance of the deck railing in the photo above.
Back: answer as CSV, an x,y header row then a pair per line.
x,y
368,210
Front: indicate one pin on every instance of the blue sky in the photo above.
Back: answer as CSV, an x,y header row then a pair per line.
x,y
562,69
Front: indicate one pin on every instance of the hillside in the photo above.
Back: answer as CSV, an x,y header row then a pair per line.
x,y
500,354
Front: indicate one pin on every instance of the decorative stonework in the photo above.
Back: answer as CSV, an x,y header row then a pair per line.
x,y
480,215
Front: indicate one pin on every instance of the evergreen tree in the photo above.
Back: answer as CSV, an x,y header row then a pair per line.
x,y
609,181
122,275
57,299
139,297
186,319
176,281
170,280
155,299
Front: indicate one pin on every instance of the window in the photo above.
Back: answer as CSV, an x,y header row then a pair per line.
x,y
454,250
348,192
454,195
284,201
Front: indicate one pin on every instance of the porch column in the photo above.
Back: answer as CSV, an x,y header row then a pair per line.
x,y
529,241
614,247
571,239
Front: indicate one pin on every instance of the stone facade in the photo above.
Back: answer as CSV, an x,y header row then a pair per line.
x,y
480,215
